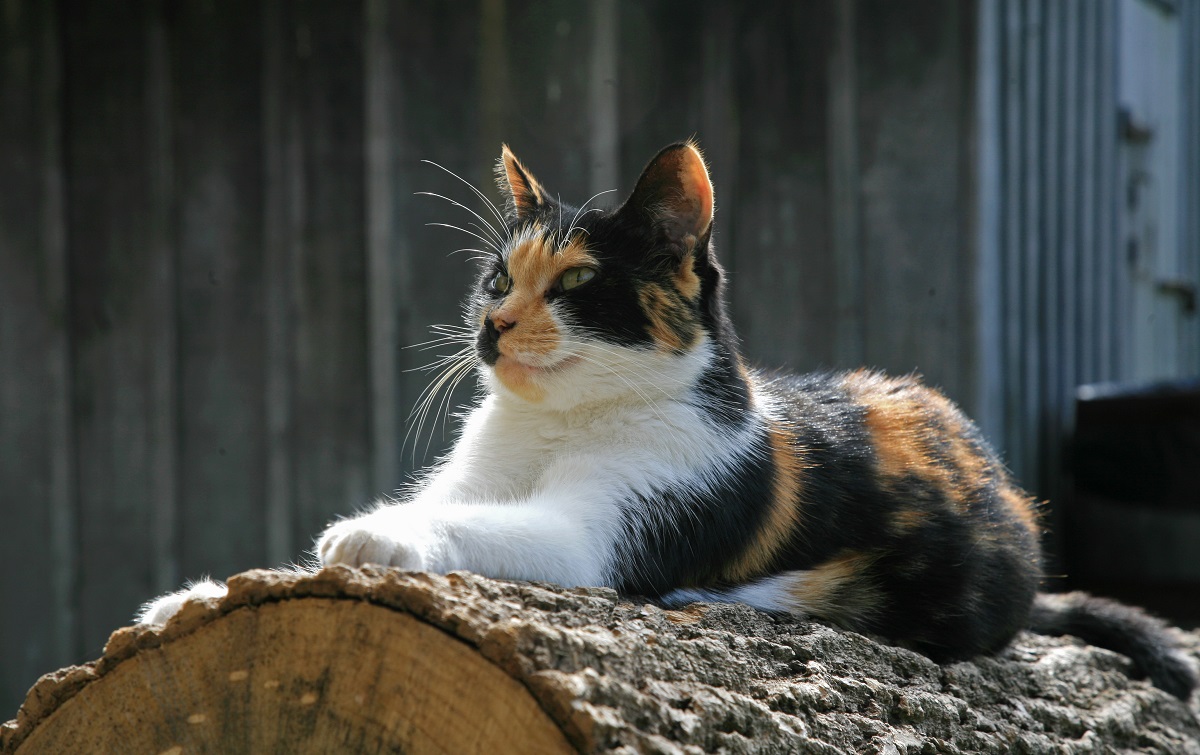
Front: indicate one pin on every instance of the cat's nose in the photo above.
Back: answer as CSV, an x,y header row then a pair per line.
x,y
500,324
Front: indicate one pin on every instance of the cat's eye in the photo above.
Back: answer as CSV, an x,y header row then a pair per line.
x,y
500,283
575,277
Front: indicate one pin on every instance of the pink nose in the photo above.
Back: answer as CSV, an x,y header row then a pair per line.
x,y
501,324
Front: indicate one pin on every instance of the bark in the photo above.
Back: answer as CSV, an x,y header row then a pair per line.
x,y
375,660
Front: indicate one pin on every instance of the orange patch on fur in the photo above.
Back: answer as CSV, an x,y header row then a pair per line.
x,y
897,444
519,379
686,280
1022,505
903,418
907,520
783,517
534,265
838,590
671,324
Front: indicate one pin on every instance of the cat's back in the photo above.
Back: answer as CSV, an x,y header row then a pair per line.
x,y
892,437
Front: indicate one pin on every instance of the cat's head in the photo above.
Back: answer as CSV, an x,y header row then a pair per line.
x,y
580,305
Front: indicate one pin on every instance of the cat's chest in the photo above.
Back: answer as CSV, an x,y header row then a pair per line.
x,y
530,447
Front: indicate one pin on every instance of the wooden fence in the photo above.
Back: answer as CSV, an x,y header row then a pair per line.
x,y
211,252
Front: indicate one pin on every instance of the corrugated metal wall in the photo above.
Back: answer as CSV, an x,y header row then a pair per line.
x,y
1057,280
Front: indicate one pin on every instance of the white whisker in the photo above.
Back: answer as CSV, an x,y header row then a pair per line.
x,y
495,234
499,216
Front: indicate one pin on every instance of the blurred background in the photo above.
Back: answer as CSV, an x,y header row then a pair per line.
x,y
211,254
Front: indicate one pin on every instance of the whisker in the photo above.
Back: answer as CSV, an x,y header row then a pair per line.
x,y
469,249
581,208
471,233
456,203
499,216
449,375
459,372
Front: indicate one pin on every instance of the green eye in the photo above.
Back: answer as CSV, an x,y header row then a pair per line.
x,y
574,277
501,283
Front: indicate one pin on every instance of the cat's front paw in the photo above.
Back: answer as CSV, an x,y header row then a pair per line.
x,y
355,542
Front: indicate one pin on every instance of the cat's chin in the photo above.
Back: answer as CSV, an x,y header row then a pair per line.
x,y
527,380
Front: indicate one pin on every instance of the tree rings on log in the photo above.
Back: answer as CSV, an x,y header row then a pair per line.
x,y
312,675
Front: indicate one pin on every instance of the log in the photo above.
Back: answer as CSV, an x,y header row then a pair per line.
x,y
381,661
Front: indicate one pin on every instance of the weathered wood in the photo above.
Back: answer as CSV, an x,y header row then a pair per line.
x,y
38,563
916,173
377,660
218,185
118,295
777,237
323,98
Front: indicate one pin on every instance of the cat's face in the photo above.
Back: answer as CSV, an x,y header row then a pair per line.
x,y
587,305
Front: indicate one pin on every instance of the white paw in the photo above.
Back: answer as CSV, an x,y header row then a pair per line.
x,y
359,541
159,610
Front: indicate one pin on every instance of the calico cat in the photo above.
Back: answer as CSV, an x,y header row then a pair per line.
x,y
623,441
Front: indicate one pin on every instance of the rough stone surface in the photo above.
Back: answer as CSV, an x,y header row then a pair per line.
x,y
625,676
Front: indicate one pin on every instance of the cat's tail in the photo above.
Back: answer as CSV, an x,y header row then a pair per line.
x,y
1125,629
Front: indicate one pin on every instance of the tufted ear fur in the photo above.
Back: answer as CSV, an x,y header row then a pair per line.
x,y
675,195
524,192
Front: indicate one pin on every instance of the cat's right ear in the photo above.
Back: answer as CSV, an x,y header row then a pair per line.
x,y
525,194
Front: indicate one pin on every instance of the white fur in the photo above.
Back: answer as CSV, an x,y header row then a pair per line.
x,y
767,594
543,490
157,611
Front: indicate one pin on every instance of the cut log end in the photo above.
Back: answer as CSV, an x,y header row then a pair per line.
x,y
317,675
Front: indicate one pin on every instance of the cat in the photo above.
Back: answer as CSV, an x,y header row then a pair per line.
x,y
624,441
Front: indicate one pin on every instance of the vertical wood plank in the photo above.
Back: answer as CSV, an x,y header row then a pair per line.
x,y
918,261
164,377
602,100
679,76
38,565
117,297
783,273
549,90
719,119
845,202
219,189
331,383
430,280
282,178
381,116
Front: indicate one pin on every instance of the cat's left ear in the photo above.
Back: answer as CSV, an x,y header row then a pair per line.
x,y
524,192
675,194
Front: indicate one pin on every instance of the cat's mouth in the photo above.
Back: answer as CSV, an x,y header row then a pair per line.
x,y
511,366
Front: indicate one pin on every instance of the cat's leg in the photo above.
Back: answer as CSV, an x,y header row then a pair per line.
x,y
563,534
526,539
159,610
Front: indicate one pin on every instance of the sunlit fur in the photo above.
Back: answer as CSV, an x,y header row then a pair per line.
x,y
623,441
